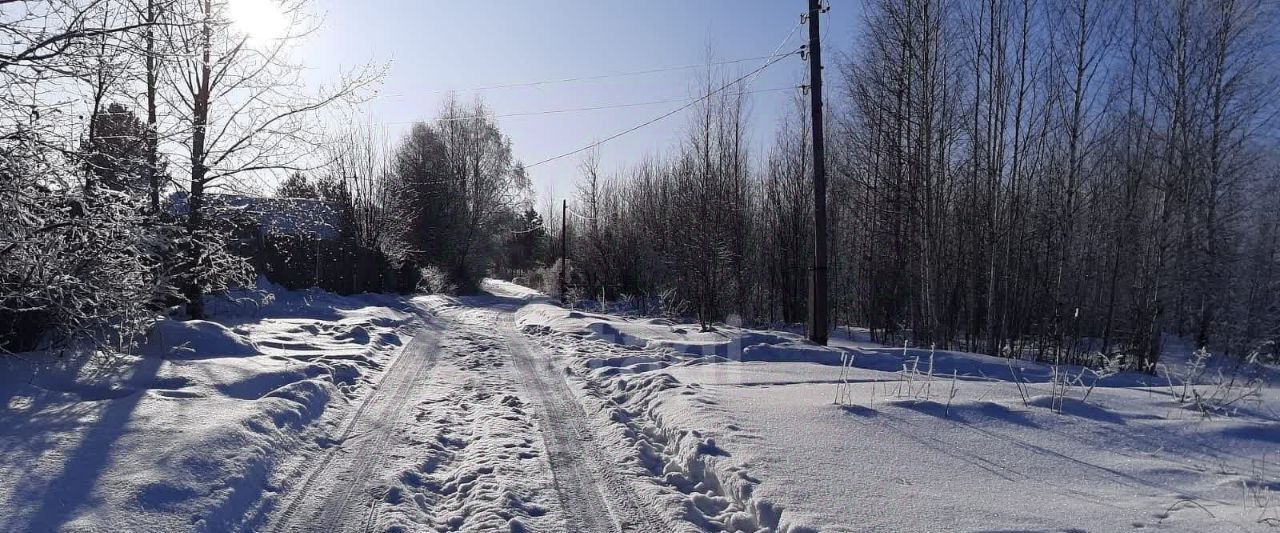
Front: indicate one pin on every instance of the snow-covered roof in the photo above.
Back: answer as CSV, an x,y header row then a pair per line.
x,y
290,216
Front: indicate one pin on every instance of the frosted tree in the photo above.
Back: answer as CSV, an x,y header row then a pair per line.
x,y
453,182
245,109
75,264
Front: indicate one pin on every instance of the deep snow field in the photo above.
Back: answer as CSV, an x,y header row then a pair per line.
x,y
746,426
187,435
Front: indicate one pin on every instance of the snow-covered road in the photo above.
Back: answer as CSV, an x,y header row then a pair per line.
x,y
471,428
503,412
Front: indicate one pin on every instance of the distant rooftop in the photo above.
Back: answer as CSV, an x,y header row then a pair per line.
x,y
290,216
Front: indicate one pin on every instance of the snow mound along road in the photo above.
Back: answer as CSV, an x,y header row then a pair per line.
x,y
173,339
193,433
724,342
621,367
506,289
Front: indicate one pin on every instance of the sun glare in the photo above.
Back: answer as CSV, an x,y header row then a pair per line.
x,y
261,20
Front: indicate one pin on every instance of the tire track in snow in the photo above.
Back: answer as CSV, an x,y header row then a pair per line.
x,y
595,498
472,461
375,420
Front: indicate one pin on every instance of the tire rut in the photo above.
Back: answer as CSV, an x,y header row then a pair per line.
x,y
374,422
595,497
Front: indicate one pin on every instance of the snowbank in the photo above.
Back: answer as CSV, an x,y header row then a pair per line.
x,y
740,430
194,432
725,342
506,289
175,339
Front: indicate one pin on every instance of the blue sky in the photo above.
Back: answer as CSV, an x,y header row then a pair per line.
x,y
436,46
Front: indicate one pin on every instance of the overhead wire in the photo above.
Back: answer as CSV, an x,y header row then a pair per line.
x,y
784,42
565,110
660,117
772,58
593,76
547,112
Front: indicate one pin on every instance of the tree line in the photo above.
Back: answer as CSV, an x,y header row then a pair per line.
x,y
1056,179
1047,178
447,198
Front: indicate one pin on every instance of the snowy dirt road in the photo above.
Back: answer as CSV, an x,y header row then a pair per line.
x,y
471,428
589,487
333,495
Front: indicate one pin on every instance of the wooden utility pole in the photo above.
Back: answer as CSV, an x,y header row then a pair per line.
x,y
819,304
564,260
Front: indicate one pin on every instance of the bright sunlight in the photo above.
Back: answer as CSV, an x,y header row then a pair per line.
x,y
261,20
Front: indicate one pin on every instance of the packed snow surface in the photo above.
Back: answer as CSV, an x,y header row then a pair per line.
x,y
306,411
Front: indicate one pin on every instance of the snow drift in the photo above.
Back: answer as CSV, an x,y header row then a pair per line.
x,y
193,433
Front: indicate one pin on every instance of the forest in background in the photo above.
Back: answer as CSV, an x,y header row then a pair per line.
x,y
1056,179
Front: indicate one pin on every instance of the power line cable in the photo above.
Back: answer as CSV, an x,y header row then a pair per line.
x,y
784,42
518,114
566,110
594,76
660,117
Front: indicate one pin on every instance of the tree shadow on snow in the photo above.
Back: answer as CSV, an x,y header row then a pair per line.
x,y
1079,408
858,410
970,412
1259,432
489,300
58,501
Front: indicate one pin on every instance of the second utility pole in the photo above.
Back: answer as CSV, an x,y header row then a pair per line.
x,y
564,248
819,304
